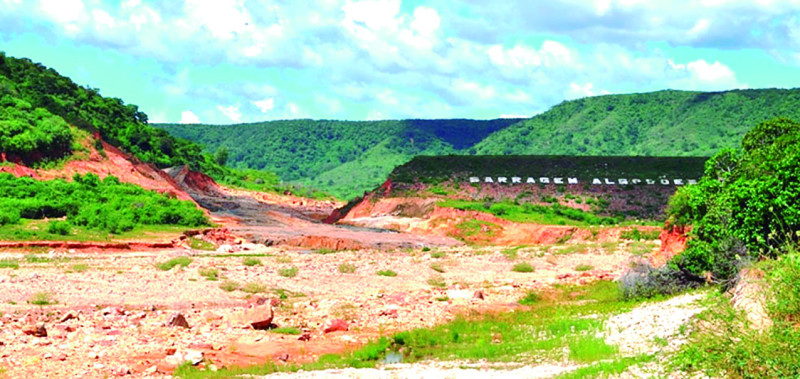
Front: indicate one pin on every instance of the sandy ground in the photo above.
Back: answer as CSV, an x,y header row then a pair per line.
x,y
112,318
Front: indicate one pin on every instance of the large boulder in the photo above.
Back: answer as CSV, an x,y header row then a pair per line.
x,y
258,314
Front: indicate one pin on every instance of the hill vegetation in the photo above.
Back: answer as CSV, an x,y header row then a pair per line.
x,y
664,123
343,157
347,158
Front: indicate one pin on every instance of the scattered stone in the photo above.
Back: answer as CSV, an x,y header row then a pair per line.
x,y
122,371
177,319
37,330
283,357
335,325
478,295
171,350
69,316
306,336
193,356
99,366
259,316
151,370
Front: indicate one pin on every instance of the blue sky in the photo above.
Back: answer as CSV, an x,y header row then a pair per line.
x,y
230,61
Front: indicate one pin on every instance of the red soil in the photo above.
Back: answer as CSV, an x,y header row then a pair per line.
x,y
673,242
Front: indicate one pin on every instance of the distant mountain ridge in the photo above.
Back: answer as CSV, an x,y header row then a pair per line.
x,y
344,157
349,157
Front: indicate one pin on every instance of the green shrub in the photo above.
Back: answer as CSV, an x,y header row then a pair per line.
x,y
347,268
291,330
58,227
79,267
42,298
179,261
251,261
9,263
437,281
584,267
437,267
744,207
209,273
254,287
229,286
290,272
530,298
9,216
387,273
636,234
523,267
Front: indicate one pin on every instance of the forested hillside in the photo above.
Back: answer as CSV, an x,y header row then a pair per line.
x,y
343,157
665,123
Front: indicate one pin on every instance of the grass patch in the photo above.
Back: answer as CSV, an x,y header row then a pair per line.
x,y
637,234
604,369
33,258
291,330
178,261
201,244
511,253
573,249
641,248
254,287
438,254
609,247
437,281
251,261
42,299
209,273
79,267
283,259
9,263
290,272
229,286
552,214
347,268
389,273
437,267
530,298
584,267
591,349
523,267
37,230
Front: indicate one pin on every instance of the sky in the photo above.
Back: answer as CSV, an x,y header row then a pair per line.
x,y
235,61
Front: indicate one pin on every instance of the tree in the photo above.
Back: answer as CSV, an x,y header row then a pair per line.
x,y
221,157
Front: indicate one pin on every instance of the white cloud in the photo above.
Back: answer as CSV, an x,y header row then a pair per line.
x,y
426,20
265,105
222,18
716,72
62,11
232,112
576,90
187,117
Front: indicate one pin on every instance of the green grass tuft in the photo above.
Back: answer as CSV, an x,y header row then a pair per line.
x,y
523,267
387,273
179,261
251,261
347,268
290,272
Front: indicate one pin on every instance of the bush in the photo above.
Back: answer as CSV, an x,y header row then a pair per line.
x,y
251,261
58,227
347,268
9,216
389,273
530,298
229,286
745,206
636,234
523,267
644,281
290,272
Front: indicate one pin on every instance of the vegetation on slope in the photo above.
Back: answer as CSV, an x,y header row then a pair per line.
x,y
664,123
344,157
91,203
746,206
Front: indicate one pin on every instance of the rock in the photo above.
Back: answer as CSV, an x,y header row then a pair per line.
x,y
122,371
69,316
201,346
335,325
99,366
150,370
37,330
170,351
478,295
283,357
259,316
306,336
174,359
193,356
177,319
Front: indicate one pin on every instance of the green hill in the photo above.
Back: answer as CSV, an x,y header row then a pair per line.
x,y
664,123
343,157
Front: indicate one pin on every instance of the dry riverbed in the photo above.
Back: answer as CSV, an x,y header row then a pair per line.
x,y
117,314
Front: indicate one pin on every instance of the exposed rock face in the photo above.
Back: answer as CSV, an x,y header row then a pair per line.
x,y
673,242
748,296
37,330
335,325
